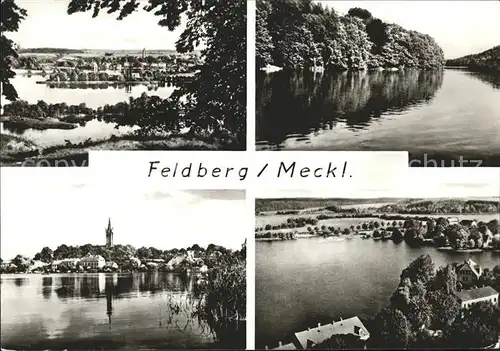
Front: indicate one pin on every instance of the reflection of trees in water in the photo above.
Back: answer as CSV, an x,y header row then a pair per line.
x,y
14,128
490,78
299,103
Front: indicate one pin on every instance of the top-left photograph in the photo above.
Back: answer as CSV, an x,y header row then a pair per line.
x,y
85,75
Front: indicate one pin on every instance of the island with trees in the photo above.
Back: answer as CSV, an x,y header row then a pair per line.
x,y
295,35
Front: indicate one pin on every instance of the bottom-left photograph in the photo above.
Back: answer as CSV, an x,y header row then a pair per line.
x,y
92,267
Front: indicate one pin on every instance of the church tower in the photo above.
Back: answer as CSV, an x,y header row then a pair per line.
x,y
109,235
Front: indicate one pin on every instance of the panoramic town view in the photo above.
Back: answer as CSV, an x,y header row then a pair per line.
x,y
378,272
379,76
138,77
137,273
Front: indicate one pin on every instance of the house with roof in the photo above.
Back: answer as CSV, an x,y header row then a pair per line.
x,y
472,296
314,336
289,346
469,272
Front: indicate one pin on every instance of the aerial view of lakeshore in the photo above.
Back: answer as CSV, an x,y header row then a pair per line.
x,y
133,280
380,76
387,272
142,77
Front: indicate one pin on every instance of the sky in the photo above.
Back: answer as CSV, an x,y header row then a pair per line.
x,y
36,213
460,27
49,25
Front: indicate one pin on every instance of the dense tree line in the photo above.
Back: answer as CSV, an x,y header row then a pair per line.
x,y
300,33
51,51
488,60
424,302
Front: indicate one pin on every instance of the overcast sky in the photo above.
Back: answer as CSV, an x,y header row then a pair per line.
x,y
459,27
37,214
49,25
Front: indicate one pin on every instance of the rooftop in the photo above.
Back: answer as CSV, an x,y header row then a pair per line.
x,y
323,332
474,294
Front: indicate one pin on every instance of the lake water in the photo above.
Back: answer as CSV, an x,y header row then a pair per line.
x,y
99,311
93,96
300,283
446,114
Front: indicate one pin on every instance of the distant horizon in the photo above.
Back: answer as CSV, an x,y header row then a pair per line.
x,y
461,29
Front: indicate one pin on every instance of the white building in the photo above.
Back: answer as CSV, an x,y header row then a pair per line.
x,y
92,261
470,297
312,337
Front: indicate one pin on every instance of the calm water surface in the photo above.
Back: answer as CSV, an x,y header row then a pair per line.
x,y
100,311
300,283
442,113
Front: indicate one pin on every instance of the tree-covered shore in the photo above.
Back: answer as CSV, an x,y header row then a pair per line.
x,y
213,103
296,34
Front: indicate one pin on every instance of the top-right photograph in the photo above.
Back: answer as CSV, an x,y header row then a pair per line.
x,y
416,76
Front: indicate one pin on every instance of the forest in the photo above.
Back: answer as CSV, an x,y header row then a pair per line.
x,y
296,34
485,61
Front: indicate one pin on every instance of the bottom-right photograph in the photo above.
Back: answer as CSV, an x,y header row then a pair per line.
x,y
387,268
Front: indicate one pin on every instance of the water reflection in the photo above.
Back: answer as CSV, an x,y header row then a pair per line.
x,y
491,78
153,310
296,104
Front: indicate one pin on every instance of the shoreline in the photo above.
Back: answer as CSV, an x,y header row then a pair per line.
x,y
18,151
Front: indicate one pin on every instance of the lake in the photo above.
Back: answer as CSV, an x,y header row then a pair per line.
x,y
102,310
93,96
300,283
444,114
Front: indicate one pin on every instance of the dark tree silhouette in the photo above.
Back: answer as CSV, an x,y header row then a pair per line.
x,y
11,16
